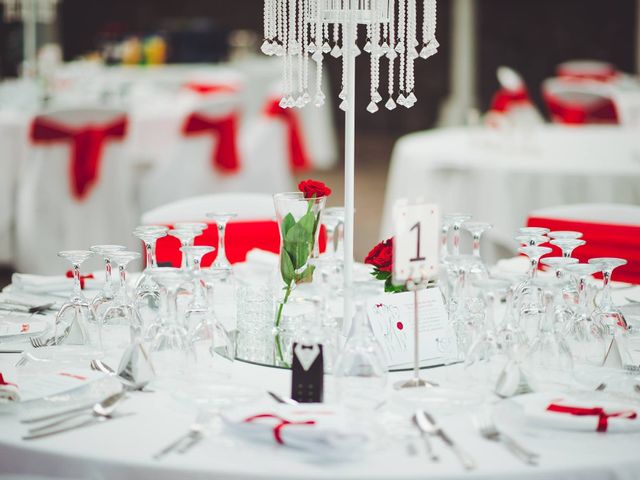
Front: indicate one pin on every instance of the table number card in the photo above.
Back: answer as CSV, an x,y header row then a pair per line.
x,y
416,242
392,322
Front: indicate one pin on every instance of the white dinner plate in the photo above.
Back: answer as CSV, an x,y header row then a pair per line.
x,y
25,326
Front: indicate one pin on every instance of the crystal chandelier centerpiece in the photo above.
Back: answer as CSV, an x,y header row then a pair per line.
x,y
301,31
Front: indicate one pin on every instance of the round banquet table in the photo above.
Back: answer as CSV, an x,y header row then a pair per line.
x,y
501,176
123,448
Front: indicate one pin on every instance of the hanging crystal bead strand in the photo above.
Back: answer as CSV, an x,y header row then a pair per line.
x,y
412,54
391,55
429,42
400,49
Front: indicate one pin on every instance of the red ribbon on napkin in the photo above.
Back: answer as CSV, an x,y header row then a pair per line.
x,y
82,277
298,157
4,382
225,157
602,415
87,144
504,99
277,430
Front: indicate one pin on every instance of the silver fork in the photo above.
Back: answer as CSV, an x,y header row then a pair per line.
x,y
489,431
38,342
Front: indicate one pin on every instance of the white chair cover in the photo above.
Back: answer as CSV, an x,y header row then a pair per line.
x,y
50,219
187,170
247,206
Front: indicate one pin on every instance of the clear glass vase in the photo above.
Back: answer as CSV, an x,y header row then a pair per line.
x,y
299,221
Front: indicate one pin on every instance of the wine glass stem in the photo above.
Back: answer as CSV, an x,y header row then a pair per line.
x,y
476,244
172,305
444,243
185,260
489,320
606,289
123,279
222,256
198,295
533,264
107,275
582,292
456,239
148,249
77,286
331,246
566,252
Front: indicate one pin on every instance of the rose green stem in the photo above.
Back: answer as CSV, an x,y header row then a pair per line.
x,y
287,292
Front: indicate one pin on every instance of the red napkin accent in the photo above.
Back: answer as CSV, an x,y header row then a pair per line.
x,y
277,430
504,99
4,382
69,274
225,157
603,240
298,157
602,415
241,237
88,142
208,88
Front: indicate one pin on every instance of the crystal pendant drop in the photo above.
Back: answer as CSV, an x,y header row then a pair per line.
x,y
299,102
267,48
279,50
372,107
412,98
342,95
335,51
306,98
356,51
311,48
319,100
391,54
367,46
326,48
385,47
344,105
400,100
413,54
317,56
400,47
290,102
283,102
390,104
376,97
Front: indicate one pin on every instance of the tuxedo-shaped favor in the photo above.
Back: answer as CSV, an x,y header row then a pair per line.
x,y
307,373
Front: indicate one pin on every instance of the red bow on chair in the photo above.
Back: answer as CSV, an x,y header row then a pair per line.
x,y
82,277
88,142
504,99
298,158
4,382
225,156
283,422
602,415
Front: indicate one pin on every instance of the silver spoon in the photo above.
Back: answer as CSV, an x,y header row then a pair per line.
x,y
100,366
103,408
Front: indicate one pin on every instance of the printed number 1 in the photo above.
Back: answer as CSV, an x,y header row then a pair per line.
x,y
417,258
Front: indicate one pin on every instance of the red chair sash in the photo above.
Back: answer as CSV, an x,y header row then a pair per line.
x,y
208,88
575,113
603,240
88,143
225,156
504,99
298,157
241,237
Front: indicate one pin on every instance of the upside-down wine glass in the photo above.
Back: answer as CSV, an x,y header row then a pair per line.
x,y
606,311
186,233
527,295
210,328
221,262
333,219
123,312
564,234
107,293
170,349
566,295
83,328
567,245
447,221
486,359
531,240
198,304
586,335
540,231
457,219
549,363
149,235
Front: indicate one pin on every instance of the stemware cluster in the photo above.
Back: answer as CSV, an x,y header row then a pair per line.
x,y
517,331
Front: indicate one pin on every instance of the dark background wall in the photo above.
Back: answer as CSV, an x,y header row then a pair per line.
x,y
531,36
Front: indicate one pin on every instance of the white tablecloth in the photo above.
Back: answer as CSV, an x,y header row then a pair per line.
x,y
123,448
501,176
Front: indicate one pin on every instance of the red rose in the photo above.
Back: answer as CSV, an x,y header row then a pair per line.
x,y
381,256
312,188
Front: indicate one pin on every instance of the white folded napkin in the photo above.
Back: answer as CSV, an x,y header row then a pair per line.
x,y
565,412
9,391
312,426
30,283
262,257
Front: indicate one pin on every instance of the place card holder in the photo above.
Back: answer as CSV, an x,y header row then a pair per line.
x,y
307,373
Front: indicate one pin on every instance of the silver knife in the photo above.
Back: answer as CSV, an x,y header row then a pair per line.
x,y
467,461
425,427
